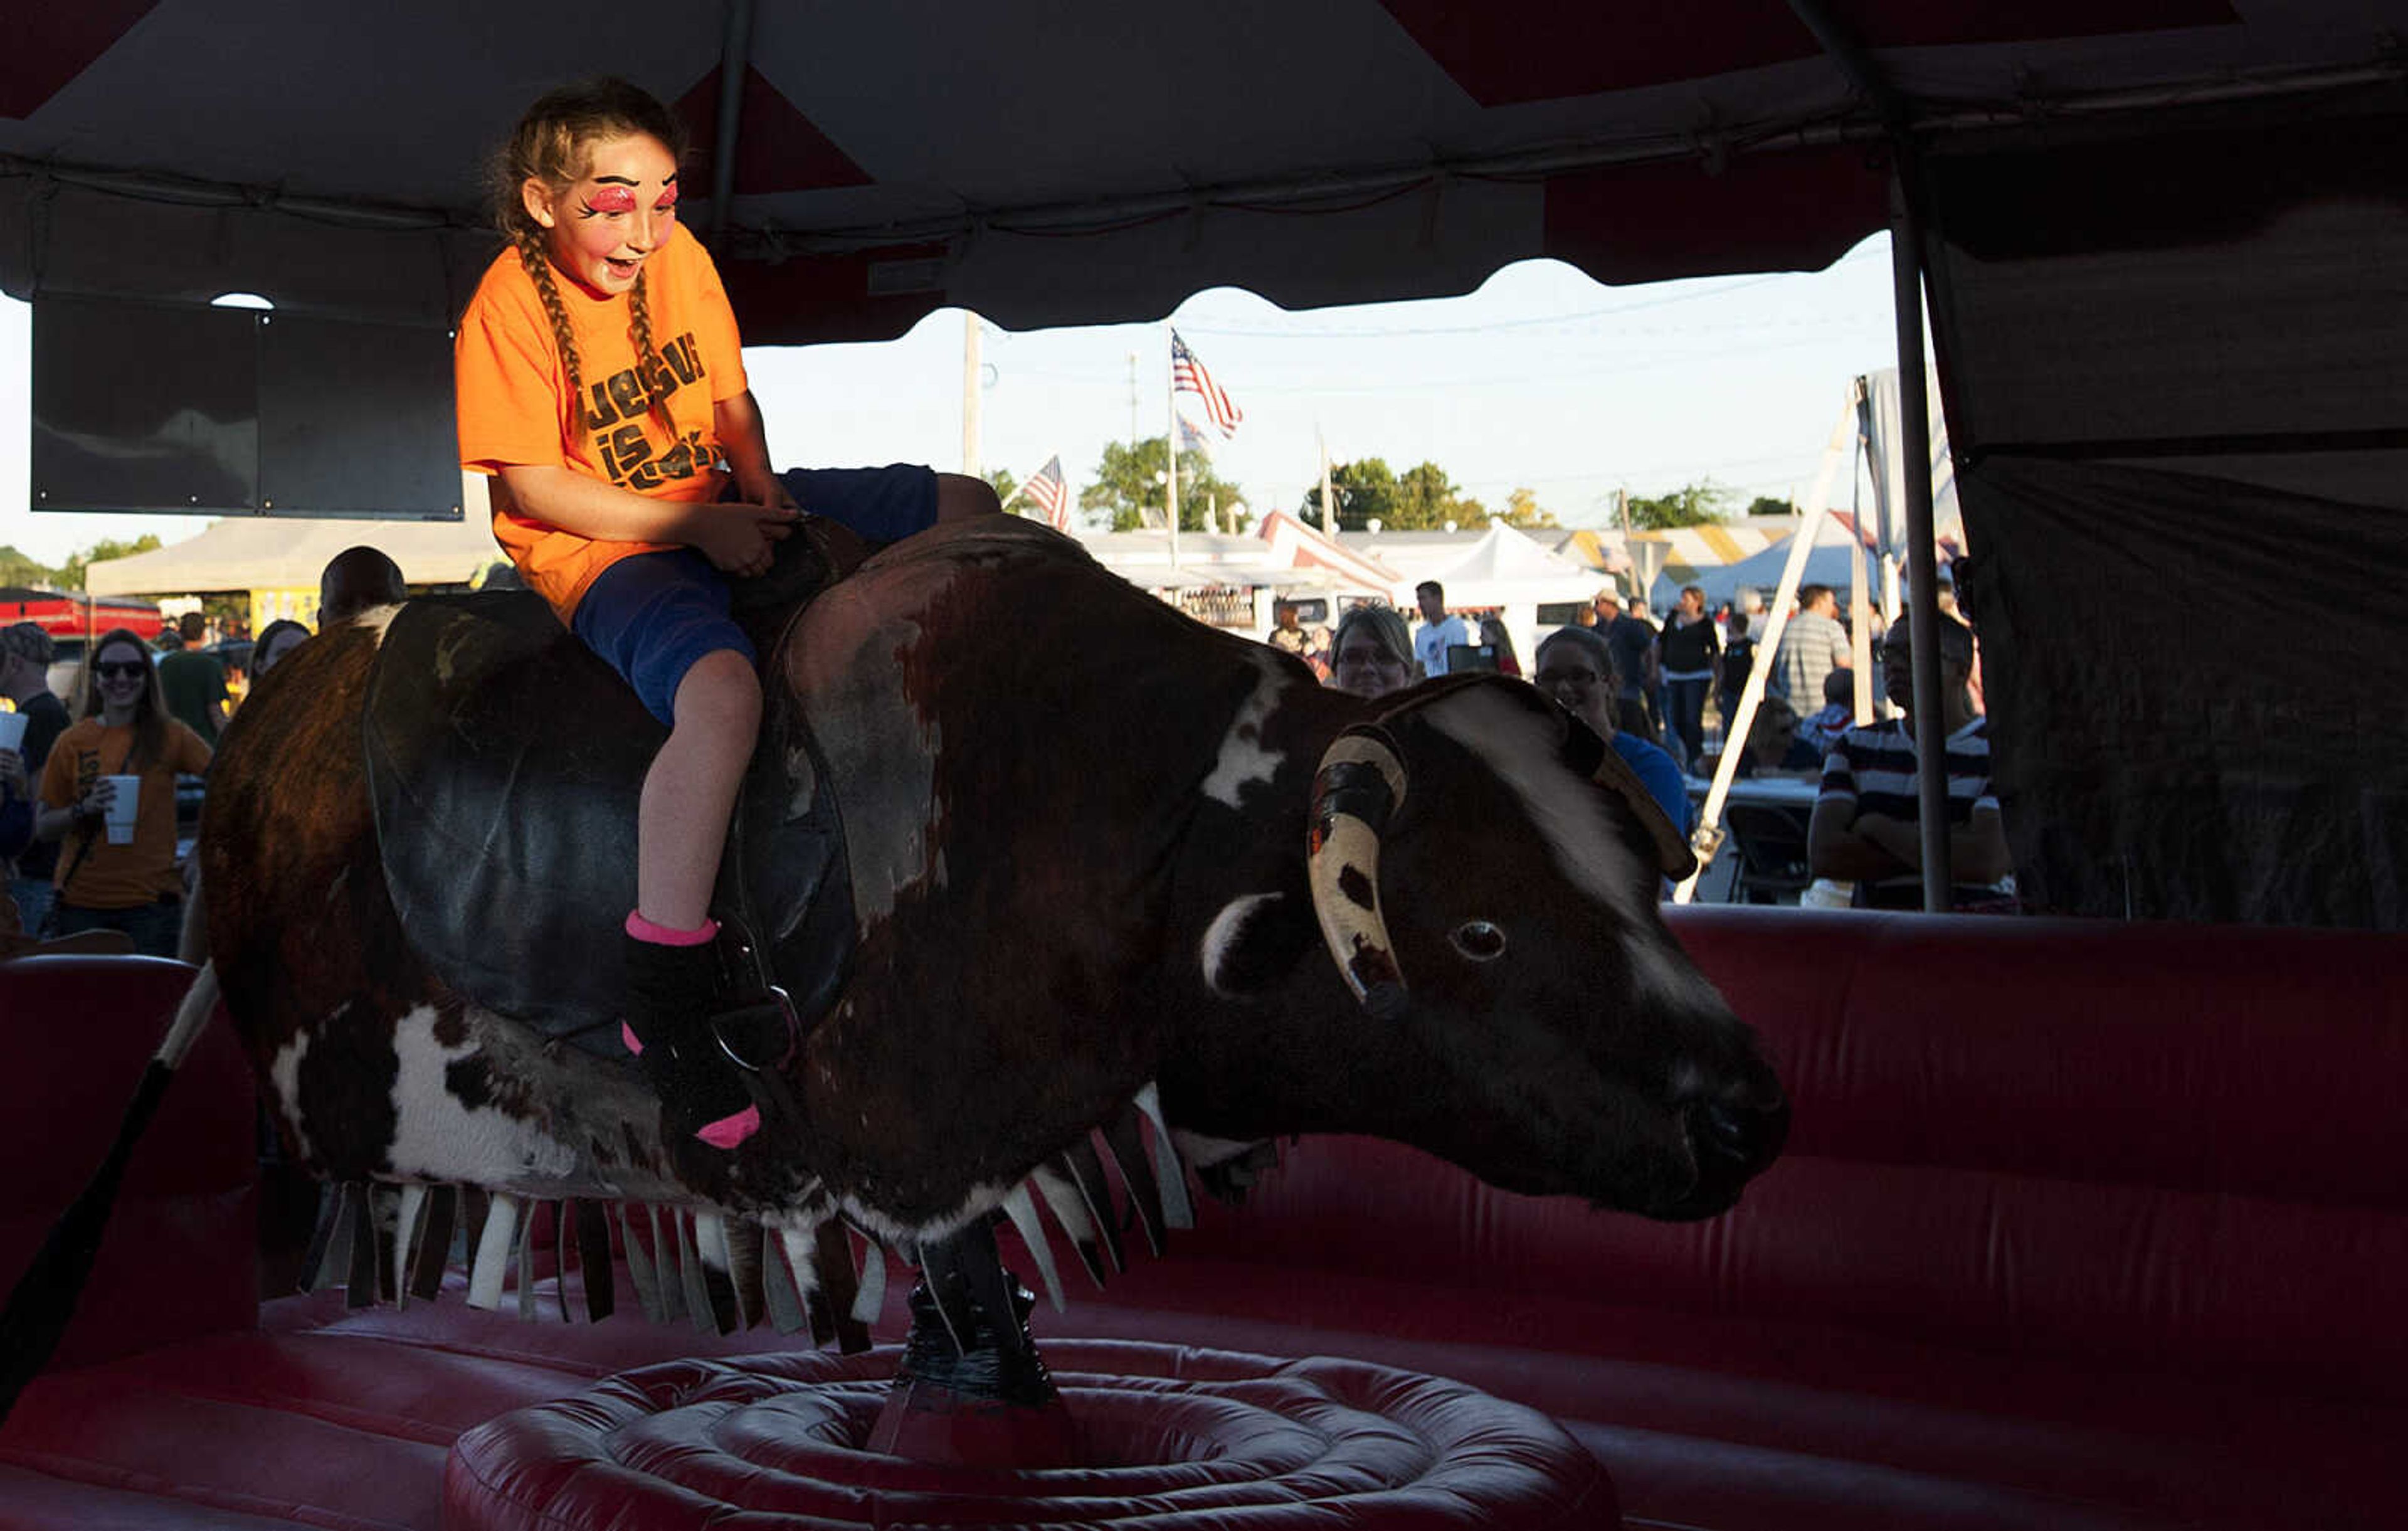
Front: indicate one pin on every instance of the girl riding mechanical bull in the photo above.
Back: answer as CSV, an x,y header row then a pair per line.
x,y
601,384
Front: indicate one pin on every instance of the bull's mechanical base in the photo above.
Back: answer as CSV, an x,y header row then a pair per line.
x,y
971,1389
1171,1435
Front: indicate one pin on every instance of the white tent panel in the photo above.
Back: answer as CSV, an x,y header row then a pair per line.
x,y
278,553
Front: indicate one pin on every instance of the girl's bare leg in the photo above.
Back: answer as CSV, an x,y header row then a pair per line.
x,y
690,792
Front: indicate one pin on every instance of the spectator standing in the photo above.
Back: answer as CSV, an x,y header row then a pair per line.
x,y
1439,632
1575,667
1372,655
1812,645
1494,636
126,730
26,655
1739,658
1690,655
1632,643
1290,635
355,579
1864,828
276,640
193,682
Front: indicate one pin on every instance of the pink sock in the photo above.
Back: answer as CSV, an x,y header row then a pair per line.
x,y
645,930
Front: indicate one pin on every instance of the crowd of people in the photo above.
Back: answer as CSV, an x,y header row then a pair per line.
x,y
142,717
1645,687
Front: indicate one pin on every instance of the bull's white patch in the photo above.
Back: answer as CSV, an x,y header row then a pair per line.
x,y
1222,934
284,1071
1569,815
1244,759
376,618
438,1137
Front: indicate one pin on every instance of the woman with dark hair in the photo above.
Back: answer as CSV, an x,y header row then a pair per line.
x,y
1690,654
1576,668
124,729
1493,635
276,640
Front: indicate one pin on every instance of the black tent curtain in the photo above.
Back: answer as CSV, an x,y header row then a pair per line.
x,y
2175,390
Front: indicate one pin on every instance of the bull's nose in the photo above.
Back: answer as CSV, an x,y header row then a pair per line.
x,y
1749,1136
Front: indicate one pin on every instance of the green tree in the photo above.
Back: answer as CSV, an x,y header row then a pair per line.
x,y
1427,499
1768,505
71,573
1523,510
1128,493
1366,492
1691,505
1005,484
17,568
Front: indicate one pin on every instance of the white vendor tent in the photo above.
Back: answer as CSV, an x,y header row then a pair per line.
x,y
278,555
1504,569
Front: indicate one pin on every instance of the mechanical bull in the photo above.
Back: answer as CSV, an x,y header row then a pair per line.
x,y
1095,854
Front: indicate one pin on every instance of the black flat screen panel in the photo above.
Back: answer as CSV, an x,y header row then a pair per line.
x,y
356,420
144,406
148,407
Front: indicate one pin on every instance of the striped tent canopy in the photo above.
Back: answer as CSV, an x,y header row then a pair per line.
x,y
1599,550
1668,559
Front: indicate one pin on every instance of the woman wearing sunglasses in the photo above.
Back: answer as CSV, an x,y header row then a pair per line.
x,y
125,729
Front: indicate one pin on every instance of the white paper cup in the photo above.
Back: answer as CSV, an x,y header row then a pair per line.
x,y
12,730
121,808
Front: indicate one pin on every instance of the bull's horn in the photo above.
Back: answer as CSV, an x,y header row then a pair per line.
x,y
1359,783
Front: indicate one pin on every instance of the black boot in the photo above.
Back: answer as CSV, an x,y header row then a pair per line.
x,y
673,993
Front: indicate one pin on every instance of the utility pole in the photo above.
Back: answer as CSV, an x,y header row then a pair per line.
x,y
973,375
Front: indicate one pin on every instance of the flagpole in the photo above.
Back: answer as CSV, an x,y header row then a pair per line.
x,y
1170,441
1329,504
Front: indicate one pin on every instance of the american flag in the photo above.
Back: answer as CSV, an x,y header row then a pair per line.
x,y
1190,438
1187,376
1050,492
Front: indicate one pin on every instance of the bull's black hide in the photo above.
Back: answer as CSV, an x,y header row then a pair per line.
x,y
505,765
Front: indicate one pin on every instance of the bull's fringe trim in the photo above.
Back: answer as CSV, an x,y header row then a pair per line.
x,y
721,1271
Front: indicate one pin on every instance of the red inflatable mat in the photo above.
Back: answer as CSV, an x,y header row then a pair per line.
x,y
1173,1438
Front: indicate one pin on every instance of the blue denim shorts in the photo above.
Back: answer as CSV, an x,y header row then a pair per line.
x,y
883,505
654,616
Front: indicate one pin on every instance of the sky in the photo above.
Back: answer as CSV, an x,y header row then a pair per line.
x,y
1542,379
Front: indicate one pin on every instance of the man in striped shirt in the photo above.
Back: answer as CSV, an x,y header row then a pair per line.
x,y
1865,826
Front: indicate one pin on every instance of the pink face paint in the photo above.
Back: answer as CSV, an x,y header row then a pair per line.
x,y
612,199
669,199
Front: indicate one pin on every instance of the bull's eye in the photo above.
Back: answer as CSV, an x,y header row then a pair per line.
x,y
1479,940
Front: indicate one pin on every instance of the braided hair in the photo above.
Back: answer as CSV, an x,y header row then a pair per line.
x,y
551,143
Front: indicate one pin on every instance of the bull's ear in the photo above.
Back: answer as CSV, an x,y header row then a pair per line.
x,y
1254,941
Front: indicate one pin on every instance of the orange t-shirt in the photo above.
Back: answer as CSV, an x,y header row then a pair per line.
x,y
515,409
121,877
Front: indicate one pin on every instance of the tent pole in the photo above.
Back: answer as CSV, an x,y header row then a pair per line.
x,y
734,64
1860,627
1864,71
1923,562
1707,837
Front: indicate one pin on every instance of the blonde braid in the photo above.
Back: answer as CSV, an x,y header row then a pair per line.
x,y
648,366
528,237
